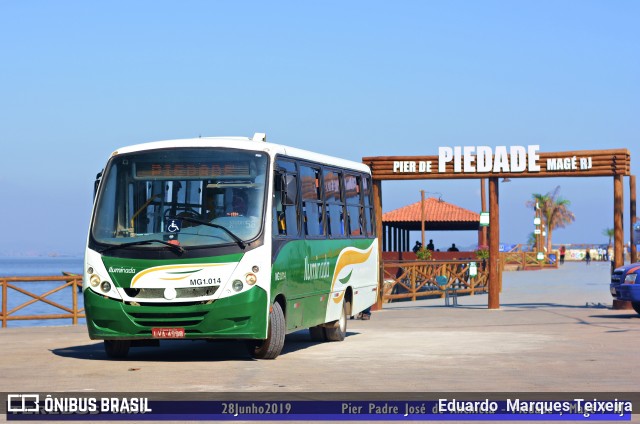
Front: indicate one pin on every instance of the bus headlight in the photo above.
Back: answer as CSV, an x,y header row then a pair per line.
x,y
105,286
94,280
250,279
237,285
630,279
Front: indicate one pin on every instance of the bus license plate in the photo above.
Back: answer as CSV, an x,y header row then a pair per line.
x,y
167,333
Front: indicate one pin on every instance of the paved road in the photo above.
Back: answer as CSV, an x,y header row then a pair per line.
x,y
555,331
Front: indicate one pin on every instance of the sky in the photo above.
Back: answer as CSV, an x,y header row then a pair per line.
x,y
352,79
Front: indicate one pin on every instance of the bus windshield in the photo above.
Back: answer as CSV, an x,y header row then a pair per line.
x,y
190,197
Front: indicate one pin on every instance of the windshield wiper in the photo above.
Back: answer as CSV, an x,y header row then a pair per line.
x,y
211,224
173,247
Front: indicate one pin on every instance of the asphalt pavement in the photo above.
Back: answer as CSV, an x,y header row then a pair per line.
x,y
554,332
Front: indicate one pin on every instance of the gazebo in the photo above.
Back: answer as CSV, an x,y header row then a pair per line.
x,y
438,216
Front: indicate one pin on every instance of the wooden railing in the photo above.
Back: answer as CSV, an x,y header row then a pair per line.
x,y
71,281
414,279
527,260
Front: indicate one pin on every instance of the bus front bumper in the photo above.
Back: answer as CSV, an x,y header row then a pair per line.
x,y
243,316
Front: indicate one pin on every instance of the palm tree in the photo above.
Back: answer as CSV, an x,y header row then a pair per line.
x,y
609,232
555,211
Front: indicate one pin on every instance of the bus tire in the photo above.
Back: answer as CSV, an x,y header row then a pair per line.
x,y
336,331
636,306
117,349
272,346
318,334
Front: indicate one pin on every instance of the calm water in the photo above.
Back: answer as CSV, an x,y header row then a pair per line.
x,y
39,266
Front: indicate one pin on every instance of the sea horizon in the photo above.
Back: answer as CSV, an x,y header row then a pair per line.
x,y
39,266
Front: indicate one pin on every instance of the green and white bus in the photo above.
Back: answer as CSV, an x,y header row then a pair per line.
x,y
228,238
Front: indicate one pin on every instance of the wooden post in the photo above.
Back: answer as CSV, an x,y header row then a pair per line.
x,y
377,210
5,311
618,249
632,213
618,243
494,244
74,297
413,283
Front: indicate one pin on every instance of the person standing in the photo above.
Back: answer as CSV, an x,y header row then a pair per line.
x,y
563,251
587,257
430,246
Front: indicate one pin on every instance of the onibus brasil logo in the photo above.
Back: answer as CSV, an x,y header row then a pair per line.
x,y
26,404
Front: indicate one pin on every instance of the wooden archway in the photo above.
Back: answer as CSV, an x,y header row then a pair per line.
x,y
476,162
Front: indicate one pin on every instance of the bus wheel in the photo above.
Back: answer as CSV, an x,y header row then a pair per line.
x,y
337,330
636,306
318,334
272,346
117,349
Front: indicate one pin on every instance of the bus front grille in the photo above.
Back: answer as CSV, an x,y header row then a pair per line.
x,y
175,319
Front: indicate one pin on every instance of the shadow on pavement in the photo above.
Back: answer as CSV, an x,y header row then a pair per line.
x,y
632,315
509,305
188,350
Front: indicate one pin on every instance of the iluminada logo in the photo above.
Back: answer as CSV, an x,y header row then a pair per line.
x,y
122,270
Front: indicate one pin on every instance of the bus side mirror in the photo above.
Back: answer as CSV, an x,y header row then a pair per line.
x,y
96,184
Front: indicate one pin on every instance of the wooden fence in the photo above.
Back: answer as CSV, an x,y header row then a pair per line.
x,y
527,261
414,279
71,281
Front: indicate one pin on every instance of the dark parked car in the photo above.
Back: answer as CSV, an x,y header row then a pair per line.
x,y
625,284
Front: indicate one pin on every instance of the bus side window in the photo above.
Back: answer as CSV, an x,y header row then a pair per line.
x,y
353,202
367,195
285,207
312,201
334,202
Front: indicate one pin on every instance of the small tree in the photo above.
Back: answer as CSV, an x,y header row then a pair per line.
x,y
423,254
482,252
555,211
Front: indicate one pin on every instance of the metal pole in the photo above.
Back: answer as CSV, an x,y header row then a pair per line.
x,y
422,215
396,236
539,235
483,207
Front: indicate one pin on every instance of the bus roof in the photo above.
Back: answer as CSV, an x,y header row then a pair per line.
x,y
245,143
